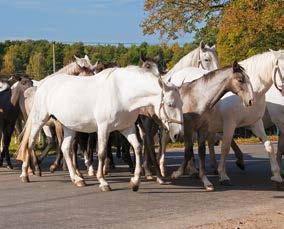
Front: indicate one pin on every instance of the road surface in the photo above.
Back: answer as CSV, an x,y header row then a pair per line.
x,y
51,201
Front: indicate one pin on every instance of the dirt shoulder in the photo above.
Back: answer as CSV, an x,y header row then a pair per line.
x,y
272,219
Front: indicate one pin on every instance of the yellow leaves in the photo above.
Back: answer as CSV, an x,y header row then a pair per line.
x,y
249,27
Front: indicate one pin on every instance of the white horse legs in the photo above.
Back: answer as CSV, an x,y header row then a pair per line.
x,y
259,131
130,134
36,127
228,132
280,149
164,139
66,150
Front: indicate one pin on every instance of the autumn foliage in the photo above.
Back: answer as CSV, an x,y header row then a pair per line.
x,y
249,27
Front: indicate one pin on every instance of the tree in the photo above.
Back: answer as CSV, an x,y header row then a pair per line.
x,y
71,50
37,66
250,27
11,61
173,18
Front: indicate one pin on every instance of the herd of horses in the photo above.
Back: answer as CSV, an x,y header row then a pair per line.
x,y
88,108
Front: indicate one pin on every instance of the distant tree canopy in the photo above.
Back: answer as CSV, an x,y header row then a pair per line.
x,y
36,57
250,27
240,28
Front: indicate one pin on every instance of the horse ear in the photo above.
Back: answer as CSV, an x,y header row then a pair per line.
x,y
213,47
157,58
202,45
236,67
76,58
142,57
87,58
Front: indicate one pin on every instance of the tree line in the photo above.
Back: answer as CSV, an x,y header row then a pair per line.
x,y
35,58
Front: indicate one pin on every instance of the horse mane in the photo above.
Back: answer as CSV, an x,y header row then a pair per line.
x,y
254,62
191,59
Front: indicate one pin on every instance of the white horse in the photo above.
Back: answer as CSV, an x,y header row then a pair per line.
x,y
204,57
230,114
109,101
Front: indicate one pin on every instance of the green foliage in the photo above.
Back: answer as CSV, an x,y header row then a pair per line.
x,y
36,57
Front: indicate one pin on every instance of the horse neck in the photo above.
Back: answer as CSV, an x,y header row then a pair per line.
x,y
70,69
190,60
143,92
260,69
205,92
16,93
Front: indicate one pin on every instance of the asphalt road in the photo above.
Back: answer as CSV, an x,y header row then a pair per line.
x,y
51,201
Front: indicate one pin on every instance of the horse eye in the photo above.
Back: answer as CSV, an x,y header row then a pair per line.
x,y
241,80
207,60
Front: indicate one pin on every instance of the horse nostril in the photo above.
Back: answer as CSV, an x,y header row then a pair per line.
x,y
250,102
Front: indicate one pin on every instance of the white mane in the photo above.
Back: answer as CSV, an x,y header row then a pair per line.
x,y
260,69
191,59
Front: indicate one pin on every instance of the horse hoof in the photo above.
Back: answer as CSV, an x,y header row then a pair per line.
x,y
175,175
149,178
53,168
91,174
10,166
240,165
25,179
134,187
209,188
80,183
105,188
38,173
226,183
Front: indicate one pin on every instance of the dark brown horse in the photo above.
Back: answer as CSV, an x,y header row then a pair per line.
x,y
9,112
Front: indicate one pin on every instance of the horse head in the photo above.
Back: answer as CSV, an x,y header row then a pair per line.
x,y
151,64
170,110
208,59
239,83
84,65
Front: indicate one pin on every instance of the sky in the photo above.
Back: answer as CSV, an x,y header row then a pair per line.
x,y
106,21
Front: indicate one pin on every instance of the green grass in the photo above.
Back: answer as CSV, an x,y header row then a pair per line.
x,y
252,140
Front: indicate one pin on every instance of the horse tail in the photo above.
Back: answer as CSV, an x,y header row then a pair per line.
x,y
23,148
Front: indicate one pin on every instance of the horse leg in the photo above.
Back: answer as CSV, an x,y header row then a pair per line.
x,y
59,135
130,134
280,149
239,155
258,130
103,136
66,149
152,153
50,142
202,134
164,139
108,158
74,145
2,155
126,156
92,140
211,146
35,129
7,135
188,150
228,132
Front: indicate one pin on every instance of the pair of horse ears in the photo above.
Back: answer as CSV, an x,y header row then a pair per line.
x,y
203,46
156,59
86,57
